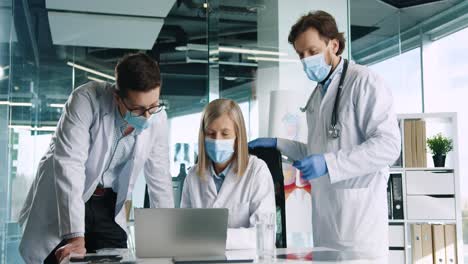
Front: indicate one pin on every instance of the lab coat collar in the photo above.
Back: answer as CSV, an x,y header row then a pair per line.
x,y
107,103
229,180
224,172
119,121
330,94
337,70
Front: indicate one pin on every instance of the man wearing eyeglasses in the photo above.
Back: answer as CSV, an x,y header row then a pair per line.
x,y
105,137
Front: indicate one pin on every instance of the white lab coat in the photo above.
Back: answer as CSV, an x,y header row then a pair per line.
x,y
70,170
245,196
349,204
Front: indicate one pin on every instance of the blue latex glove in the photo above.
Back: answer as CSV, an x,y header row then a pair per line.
x,y
263,142
312,167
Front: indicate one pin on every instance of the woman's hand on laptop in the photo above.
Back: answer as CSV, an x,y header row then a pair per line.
x,y
74,245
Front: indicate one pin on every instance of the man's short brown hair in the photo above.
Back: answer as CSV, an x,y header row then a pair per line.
x,y
137,72
324,23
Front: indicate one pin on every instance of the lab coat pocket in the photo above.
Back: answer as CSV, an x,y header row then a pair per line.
x,y
355,216
239,215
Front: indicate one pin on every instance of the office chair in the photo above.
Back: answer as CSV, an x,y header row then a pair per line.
x,y
272,158
146,202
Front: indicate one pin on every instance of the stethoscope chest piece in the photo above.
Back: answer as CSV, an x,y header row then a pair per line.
x,y
334,132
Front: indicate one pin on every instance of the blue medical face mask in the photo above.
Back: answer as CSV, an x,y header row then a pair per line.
x,y
219,150
140,123
316,67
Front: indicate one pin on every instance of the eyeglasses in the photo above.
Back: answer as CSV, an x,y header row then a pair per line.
x,y
142,111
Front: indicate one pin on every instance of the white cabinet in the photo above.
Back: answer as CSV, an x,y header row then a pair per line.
x,y
430,182
396,257
396,236
430,195
430,208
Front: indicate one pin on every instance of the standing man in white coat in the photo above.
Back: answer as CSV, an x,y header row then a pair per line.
x,y
353,138
106,135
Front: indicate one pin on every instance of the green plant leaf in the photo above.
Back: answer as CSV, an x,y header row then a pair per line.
x,y
440,145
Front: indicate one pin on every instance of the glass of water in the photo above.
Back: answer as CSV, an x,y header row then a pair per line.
x,y
266,235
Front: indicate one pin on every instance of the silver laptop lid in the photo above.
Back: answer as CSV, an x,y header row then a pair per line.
x,y
180,232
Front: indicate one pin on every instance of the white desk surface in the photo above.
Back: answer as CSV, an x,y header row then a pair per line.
x,y
240,254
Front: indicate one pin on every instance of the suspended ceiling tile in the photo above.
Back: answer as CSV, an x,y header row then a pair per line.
x,y
358,32
418,14
90,30
369,12
152,8
409,3
389,26
5,4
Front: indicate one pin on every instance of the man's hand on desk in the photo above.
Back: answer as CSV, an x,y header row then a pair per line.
x,y
75,245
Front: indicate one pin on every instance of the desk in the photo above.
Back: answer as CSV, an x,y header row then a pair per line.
x,y
322,255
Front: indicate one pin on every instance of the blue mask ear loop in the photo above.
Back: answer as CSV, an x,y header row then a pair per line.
x,y
118,100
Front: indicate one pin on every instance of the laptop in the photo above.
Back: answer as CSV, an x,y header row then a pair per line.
x,y
180,232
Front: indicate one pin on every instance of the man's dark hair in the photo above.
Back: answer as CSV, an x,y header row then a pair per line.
x,y
137,72
324,23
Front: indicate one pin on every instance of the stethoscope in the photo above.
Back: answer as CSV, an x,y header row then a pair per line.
x,y
333,131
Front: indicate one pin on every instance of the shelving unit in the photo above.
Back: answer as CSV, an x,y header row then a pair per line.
x,y
423,193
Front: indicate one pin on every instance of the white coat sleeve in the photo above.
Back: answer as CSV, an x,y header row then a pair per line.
x,y
185,199
70,154
292,149
156,169
378,125
262,201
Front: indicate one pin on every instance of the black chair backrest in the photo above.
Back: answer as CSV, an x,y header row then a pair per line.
x,y
177,187
272,158
146,202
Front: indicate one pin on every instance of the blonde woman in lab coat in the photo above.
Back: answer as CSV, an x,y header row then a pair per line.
x,y
226,176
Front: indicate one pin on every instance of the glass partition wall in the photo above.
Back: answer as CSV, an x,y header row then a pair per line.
x,y
49,48
207,50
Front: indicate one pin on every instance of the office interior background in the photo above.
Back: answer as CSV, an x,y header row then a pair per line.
x,y
233,49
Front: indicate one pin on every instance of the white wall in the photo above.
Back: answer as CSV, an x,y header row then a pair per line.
x,y
274,24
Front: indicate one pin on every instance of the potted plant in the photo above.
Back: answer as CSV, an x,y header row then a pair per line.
x,y
439,146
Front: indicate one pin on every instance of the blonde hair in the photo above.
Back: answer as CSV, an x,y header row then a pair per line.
x,y
212,111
